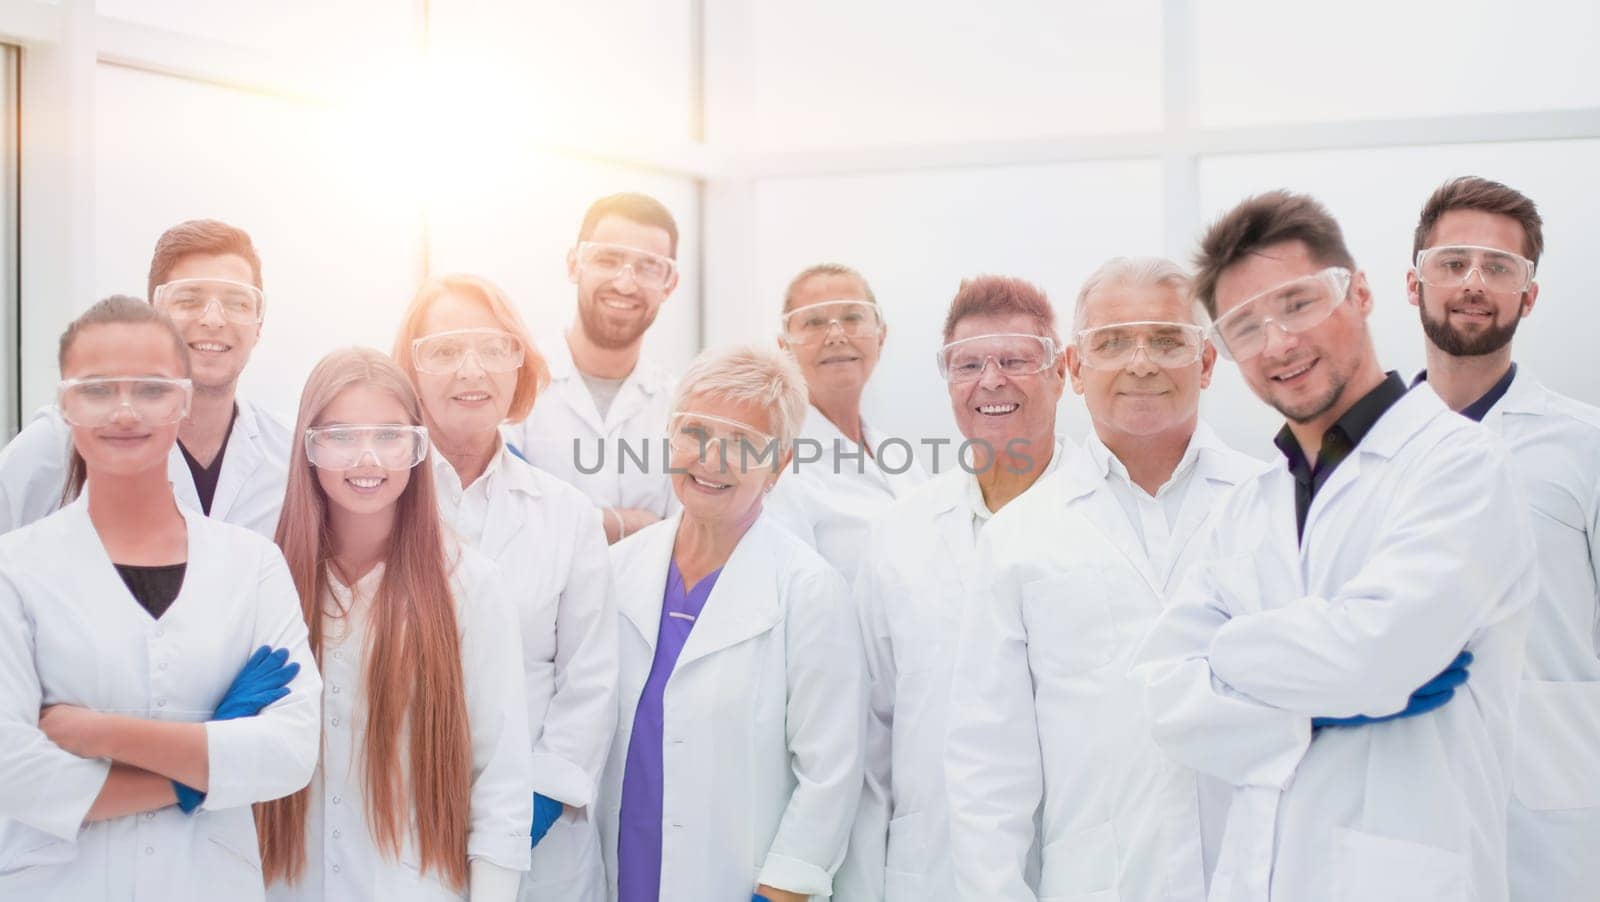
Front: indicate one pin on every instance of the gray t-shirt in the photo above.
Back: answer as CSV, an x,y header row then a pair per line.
x,y
604,391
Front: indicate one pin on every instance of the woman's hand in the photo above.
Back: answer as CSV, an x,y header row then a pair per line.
x,y
73,729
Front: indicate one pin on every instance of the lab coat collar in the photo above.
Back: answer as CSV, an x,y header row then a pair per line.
x,y
240,458
505,471
1206,453
638,389
1396,426
963,492
200,564
1525,395
744,602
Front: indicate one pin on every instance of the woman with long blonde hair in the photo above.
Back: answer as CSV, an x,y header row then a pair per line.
x,y
475,368
423,789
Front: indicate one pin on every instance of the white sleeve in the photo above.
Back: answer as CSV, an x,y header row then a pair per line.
x,y
270,755
491,883
33,470
824,716
861,877
1455,556
500,812
993,770
41,785
578,725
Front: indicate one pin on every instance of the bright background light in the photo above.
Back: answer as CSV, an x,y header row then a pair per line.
x,y
368,143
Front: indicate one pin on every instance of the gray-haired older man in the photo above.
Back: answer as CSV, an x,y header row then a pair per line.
x,y
1070,578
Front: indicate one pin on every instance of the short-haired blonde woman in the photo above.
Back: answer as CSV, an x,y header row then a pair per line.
x,y
475,368
737,765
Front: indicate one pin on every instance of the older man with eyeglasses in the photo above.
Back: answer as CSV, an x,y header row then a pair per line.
x,y
1043,715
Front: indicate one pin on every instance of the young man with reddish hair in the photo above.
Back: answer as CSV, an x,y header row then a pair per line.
x,y
1343,598
1476,250
230,460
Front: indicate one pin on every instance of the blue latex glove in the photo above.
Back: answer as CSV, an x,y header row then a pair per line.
x,y
263,680
757,897
545,812
1432,694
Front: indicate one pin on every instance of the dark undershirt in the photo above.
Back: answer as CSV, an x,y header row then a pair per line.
x,y
205,478
155,588
1337,444
1479,409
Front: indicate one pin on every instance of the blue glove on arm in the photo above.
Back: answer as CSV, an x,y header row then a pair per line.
x,y
263,680
1432,694
545,812
757,897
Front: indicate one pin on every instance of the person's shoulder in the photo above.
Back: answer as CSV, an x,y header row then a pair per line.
x,y
270,428
1583,419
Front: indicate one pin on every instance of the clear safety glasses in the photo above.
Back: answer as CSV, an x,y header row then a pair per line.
x,y
1295,306
187,300
97,401
609,260
1165,344
1452,266
345,447
1014,353
706,438
444,353
810,324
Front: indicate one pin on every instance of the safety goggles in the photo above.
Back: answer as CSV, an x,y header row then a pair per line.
x,y
1013,353
1452,266
1297,305
694,435
1166,344
97,401
812,323
344,447
188,300
445,353
608,261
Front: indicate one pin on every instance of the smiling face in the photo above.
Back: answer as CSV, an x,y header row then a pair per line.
x,y
368,488
126,445
998,409
1303,375
470,401
836,366
1140,398
712,485
218,349
614,312
1469,320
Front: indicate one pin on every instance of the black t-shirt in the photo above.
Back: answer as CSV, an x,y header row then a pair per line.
x,y
1337,443
155,588
205,478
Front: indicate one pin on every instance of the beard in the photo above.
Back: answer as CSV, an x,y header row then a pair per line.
x,y
608,334
1456,344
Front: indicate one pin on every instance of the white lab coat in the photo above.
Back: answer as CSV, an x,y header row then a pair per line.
x,y
1555,806
71,633
33,470
1043,711
763,718
909,593
547,540
831,502
566,436
1416,547
343,861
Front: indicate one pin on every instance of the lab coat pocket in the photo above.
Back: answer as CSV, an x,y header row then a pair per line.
x,y
1068,619
26,848
907,864
233,865
408,883
1558,729
1371,868
1081,867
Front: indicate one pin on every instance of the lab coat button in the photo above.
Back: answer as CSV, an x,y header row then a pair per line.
x,y
335,800
336,690
149,850
336,869
161,703
335,721
336,834
162,666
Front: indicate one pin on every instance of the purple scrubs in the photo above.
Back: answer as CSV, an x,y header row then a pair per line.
x,y
639,827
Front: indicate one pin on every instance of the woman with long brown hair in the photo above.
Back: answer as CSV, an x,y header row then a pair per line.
x,y
425,782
